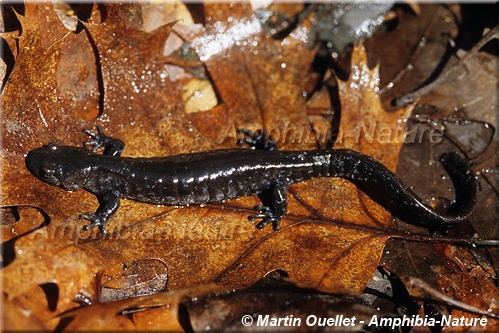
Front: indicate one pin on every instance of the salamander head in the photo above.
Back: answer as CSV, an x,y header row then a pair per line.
x,y
61,166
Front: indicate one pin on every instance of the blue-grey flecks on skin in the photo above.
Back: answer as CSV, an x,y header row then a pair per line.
x,y
219,175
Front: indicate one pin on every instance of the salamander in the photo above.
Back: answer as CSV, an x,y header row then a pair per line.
x,y
215,176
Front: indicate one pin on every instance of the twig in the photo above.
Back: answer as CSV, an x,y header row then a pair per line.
x,y
446,240
410,97
418,283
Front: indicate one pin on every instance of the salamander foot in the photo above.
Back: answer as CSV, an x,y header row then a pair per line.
x,y
96,222
257,140
112,146
264,213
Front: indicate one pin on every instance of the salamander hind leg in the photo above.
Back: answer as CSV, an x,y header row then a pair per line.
x,y
258,140
109,204
275,205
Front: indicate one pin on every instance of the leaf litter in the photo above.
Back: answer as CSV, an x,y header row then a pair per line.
x,y
333,237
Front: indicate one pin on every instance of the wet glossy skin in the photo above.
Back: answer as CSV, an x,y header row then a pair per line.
x,y
219,175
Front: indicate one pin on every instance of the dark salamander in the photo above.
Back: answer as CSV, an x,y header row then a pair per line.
x,y
219,175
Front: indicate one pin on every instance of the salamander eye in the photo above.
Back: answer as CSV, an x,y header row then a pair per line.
x,y
52,146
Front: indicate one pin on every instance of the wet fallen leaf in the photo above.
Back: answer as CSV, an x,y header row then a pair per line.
x,y
296,310
153,312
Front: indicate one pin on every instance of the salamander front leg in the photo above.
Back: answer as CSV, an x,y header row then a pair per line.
x,y
109,204
112,146
275,205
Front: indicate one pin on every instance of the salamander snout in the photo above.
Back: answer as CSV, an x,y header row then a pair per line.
x,y
39,163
